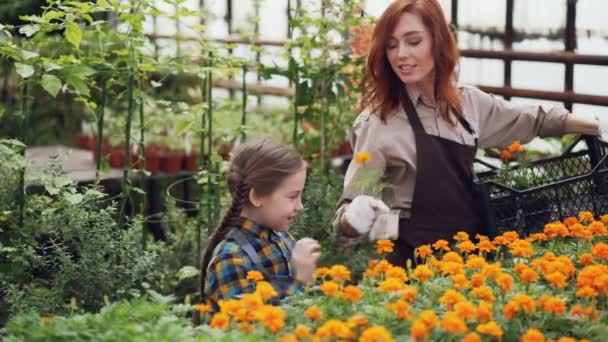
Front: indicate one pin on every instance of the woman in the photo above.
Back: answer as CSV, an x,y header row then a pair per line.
x,y
422,131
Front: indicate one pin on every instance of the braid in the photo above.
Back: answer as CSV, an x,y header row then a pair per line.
x,y
230,219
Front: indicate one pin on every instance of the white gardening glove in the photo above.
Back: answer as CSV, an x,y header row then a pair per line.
x,y
603,119
386,226
362,212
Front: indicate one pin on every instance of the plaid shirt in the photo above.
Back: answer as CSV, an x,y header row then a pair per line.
x,y
229,265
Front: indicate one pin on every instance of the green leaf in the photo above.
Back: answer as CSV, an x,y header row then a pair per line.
x,y
73,34
51,84
187,272
50,66
28,54
74,198
29,30
50,15
78,85
79,71
51,189
24,70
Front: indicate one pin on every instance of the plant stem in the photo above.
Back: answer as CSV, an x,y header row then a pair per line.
x,y
100,118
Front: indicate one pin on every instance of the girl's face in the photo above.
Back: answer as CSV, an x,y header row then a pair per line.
x,y
409,50
279,209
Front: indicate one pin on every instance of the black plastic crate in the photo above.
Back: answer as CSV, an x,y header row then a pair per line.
x,y
559,187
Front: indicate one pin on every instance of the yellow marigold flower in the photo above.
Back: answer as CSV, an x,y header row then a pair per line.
x,y
376,334
357,321
465,309
333,328
554,305
203,308
423,251
510,310
491,329
475,262
401,308
265,290
538,237
451,297
220,320
321,272
570,339
505,282
271,317
384,246
302,332
452,323
557,279
451,267
500,240
597,228
362,158
585,217
492,270
331,288
419,331
429,318
409,294
314,313
391,285
471,337
230,306
460,281
485,246
352,293
533,335
452,257
466,246
569,221
396,272
255,276
600,250
423,273
587,291
441,245
483,292
461,236
485,312
521,248
47,320
339,273
477,279
288,338
526,302
511,236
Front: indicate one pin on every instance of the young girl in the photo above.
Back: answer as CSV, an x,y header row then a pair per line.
x,y
266,181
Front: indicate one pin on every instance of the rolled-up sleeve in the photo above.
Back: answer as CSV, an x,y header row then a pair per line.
x,y
501,122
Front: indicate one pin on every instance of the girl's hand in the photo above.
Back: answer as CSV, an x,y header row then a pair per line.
x,y
305,255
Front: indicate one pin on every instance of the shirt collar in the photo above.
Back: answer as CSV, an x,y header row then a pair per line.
x,y
415,97
255,228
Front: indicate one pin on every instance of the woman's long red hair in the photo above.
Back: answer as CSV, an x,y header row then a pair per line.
x,y
380,83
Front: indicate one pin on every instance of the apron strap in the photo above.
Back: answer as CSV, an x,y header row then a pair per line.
x,y
240,238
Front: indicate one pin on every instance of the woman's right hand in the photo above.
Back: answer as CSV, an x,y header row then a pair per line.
x,y
305,255
363,211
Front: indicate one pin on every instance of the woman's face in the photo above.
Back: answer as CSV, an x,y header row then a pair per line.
x,y
409,50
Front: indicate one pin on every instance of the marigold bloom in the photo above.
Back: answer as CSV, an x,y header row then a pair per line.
x,y
557,279
491,329
597,228
391,285
451,297
333,328
271,317
220,320
526,302
483,292
485,246
288,338
423,273
441,245
423,251
376,334
409,293
492,270
452,257
600,250
585,217
451,267
321,272
47,320
466,246
419,330
475,262
331,288
203,308
339,273
533,335
401,308
478,279
429,318
460,281
352,293
484,312
302,331
461,236
362,158
314,313
506,155
357,321
521,248
516,147
553,305
587,291
505,282
569,221
471,337
396,272
255,275
384,246
510,310
452,323
604,219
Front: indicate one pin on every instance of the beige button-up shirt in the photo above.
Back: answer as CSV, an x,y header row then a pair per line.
x,y
496,122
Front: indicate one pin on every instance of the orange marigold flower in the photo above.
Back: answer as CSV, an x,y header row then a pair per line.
x,y
429,318
302,331
357,321
521,248
491,329
391,285
451,267
396,272
339,273
570,339
461,236
384,246
465,309
376,334
475,262
466,246
362,158
600,250
478,279
557,279
401,308
409,293
423,251
604,219
352,293
314,313
570,221
423,273
585,217
597,228
492,270
485,246
506,155
47,320
460,281
220,320
537,237
485,312
451,297
554,305
528,275
533,335
245,327
230,306
505,281
321,272
271,317
471,337
510,310
419,330
452,323
587,291
516,147
255,275
452,257
333,328
441,245
288,338
265,290
483,292
331,288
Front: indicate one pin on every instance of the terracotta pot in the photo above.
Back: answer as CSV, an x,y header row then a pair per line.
x,y
190,162
171,161
117,157
153,157
84,141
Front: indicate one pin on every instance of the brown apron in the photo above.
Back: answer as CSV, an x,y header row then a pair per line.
x,y
444,199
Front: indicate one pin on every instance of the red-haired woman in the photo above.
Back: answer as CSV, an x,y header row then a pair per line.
x,y
422,130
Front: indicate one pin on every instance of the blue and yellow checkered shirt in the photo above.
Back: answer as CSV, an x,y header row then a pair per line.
x,y
229,265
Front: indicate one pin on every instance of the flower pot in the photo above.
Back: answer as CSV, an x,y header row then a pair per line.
x,y
190,162
84,141
117,157
171,161
153,157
